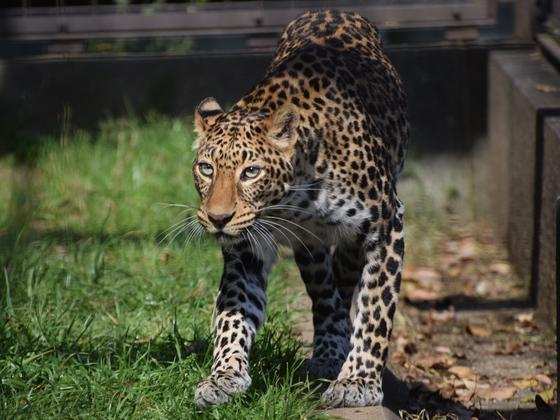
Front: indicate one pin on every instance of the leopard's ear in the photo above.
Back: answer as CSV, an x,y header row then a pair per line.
x,y
205,115
282,127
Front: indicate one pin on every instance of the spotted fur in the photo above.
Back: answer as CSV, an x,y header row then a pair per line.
x,y
309,159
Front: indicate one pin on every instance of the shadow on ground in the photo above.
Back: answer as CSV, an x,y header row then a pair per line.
x,y
413,397
462,302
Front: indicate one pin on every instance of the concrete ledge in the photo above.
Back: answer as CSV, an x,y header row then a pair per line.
x,y
362,413
500,92
546,295
524,89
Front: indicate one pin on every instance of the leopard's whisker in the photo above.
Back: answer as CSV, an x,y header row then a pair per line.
x,y
196,233
312,184
199,232
190,235
254,234
264,227
248,235
274,206
185,219
268,238
185,206
285,207
278,225
295,224
260,248
185,229
176,227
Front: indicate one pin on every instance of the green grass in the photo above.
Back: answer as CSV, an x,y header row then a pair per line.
x,y
100,319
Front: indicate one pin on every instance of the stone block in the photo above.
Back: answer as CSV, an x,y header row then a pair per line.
x,y
548,246
496,187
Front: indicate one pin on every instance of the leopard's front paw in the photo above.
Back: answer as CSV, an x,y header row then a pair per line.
x,y
319,368
219,388
353,392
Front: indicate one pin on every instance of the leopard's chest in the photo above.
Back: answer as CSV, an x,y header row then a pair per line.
x,y
329,218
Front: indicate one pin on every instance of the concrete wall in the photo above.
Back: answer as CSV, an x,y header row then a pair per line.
x,y
524,91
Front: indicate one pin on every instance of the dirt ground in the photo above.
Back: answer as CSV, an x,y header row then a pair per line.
x,y
465,343
466,340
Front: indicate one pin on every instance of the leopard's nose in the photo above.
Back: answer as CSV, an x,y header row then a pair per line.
x,y
219,220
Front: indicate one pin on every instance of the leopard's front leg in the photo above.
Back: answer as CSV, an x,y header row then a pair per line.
x,y
331,327
359,381
240,312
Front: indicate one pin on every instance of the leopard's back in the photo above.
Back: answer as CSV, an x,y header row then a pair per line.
x,y
331,65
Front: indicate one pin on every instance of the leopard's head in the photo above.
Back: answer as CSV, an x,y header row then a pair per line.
x,y
243,164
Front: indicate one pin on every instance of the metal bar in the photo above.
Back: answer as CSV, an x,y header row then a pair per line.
x,y
77,22
229,6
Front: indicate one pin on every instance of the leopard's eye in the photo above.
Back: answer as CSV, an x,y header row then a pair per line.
x,y
205,169
250,173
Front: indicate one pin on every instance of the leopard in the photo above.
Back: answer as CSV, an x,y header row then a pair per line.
x,y
308,159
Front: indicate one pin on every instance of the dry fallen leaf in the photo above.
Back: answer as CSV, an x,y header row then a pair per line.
x,y
548,394
525,383
479,330
442,316
400,342
442,349
543,378
464,395
408,271
497,393
421,294
525,318
524,327
512,347
427,277
462,372
482,288
470,385
436,362
467,249
399,358
500,268
541,87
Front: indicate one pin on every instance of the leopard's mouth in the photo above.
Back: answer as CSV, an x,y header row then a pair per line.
x,y
221,235
231,233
